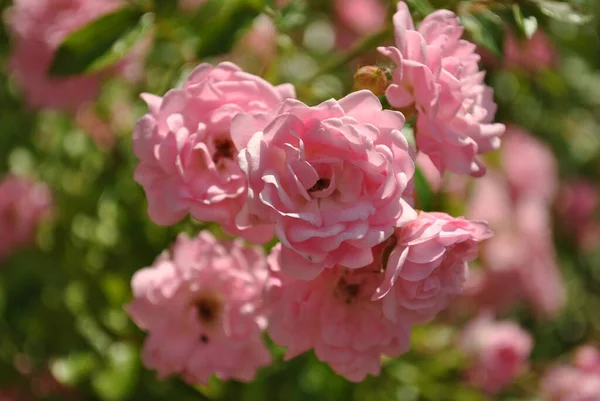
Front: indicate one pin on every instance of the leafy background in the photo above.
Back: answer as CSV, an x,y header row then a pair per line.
x,y
61,302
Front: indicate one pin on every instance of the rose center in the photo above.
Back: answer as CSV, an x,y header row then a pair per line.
x,y
346,292
224,149
321,184
208,308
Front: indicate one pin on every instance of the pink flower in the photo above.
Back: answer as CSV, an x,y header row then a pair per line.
x,y
578,382
587,359
330,177
517,207
578,206
38,27
498,352
23,204
334,315
437,75
427,264
529,165
187,159
200,304
361,16
531,54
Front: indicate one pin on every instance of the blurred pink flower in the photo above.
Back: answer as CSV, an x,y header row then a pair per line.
x,y
23,204
529,165
578,207
532,54
259,42
361,16
201,305
188,162
331,178
587,359
427,265
498,352
437,75
517,207
37,28
578,382
334,315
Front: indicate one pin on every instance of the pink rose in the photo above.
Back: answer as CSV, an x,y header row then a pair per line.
x,y
498,352
530,54
517,207
23,204
201,305
529,165
437,75
578,382
330,177
38,27
334,315
427,264
188,162
361,16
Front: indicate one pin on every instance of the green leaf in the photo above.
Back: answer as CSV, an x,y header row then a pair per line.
x,y
486,29
560,11
292,16
221,22
90,47
425,196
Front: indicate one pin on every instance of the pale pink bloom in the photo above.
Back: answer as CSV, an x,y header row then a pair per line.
x,y
361,16
201,305
587,358
498,352
577,382
38,27
330,177
188,163
437,75
334,315
530,54
23,204
529,165
427,265
522,250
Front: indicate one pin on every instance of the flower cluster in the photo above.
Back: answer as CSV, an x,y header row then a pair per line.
x,y
23,204
357,265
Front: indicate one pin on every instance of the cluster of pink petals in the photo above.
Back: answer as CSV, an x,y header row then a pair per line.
x,y
23,204
38,27
498,352
201,305
428,264
334,315
188,162
520,259
350,317
577,382
437,75
330,177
